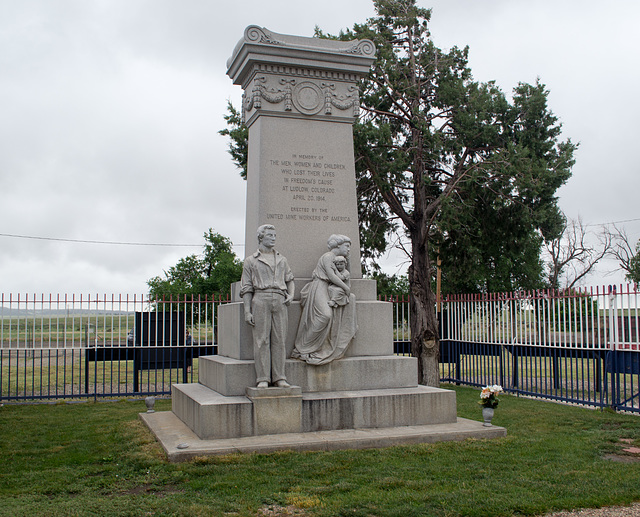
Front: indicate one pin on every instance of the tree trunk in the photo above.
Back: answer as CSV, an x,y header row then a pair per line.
x,y
425,341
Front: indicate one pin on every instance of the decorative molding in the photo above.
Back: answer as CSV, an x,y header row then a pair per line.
x,y
263,51
272,95
362,48
341,101
289,83
333,75
307,96
257,34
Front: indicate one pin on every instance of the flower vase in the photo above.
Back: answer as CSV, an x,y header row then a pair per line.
x,y
487,415
150,403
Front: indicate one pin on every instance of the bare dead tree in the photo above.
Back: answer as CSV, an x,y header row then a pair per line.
x,y
622,248
572,256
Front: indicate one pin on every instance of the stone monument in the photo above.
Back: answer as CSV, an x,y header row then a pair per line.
x,y
300,101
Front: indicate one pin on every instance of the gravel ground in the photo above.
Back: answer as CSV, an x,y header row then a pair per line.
x,y
609,511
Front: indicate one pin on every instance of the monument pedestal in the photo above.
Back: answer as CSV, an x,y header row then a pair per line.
x,y
350,393
368,388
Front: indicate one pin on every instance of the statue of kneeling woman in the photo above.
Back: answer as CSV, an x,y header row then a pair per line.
x,y
328,321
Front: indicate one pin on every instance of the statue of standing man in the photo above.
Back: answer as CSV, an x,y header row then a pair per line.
x,y
267,289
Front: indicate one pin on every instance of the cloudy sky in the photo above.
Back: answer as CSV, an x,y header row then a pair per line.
x,y
111,166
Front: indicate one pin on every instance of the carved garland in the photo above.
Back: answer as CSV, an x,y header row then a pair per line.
x,y
274,95
343,102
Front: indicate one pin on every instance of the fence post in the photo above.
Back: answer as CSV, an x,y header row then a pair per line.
x,y
613,338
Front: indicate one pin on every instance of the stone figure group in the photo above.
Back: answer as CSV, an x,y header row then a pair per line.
x,y
328,320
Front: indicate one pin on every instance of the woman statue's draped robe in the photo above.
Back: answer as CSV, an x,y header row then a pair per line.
x,y
324,332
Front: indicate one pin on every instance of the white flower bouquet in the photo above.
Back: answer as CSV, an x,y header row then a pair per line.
x,y
489,396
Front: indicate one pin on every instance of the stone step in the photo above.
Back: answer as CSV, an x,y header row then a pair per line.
x,y
182,444
213,416
363,409
230,377
210,414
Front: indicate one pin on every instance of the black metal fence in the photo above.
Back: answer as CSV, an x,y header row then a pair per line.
x,y
573,346
89,347
577,346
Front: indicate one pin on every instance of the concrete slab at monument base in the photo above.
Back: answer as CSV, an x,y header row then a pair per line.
x,y
181,444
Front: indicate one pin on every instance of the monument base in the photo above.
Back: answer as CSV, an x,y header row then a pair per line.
x,y
181,444
275,410
354,402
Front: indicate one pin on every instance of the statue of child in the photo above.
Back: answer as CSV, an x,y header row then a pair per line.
x,y
337,296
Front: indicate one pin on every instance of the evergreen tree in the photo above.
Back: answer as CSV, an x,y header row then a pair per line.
x,y
633,274
454,166
460,167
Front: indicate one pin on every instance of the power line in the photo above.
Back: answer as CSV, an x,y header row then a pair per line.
x,y
170,245
118,243
624,221
612,222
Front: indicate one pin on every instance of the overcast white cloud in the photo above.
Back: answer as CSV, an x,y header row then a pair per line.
x,y
109,113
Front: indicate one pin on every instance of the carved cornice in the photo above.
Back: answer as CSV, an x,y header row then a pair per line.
x,y
295,71
295,55
261,35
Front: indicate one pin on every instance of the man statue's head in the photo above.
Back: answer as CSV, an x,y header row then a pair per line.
x,y
264,230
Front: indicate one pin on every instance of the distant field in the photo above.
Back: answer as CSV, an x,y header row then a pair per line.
x,y
75,330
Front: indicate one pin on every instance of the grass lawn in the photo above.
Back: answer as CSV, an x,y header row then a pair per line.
x,y
99,459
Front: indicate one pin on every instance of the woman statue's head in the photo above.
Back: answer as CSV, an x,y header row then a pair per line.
x,y
339,244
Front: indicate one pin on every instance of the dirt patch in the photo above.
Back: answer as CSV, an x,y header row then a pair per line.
x,y
621,458
627,454
275,510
